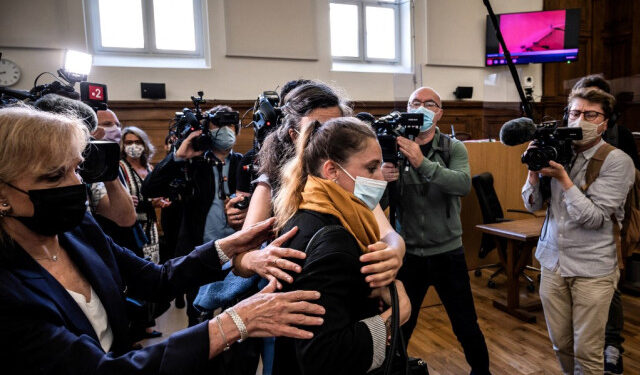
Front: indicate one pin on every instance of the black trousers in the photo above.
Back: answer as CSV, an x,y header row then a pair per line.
x,y
615,323
449,275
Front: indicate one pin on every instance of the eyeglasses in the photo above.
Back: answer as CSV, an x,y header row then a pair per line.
x,y
132,142
428,104
588,115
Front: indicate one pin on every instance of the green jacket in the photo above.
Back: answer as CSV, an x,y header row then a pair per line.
x,y
428,200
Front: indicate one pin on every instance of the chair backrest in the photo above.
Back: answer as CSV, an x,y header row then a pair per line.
x,y
487,198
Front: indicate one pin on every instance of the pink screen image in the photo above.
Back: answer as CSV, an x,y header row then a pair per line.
x,y
536,31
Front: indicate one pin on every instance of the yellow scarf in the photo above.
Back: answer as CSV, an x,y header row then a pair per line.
x,y
327,197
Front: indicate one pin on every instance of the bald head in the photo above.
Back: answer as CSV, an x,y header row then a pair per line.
x,y
107,118
426,97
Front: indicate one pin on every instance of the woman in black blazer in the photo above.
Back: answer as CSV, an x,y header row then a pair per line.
x,y
335,181
63,283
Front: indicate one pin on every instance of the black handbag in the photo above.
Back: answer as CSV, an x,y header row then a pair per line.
x,y
397,361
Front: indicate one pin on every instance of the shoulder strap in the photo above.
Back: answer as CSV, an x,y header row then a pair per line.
x,y
322,231
445,148
595,164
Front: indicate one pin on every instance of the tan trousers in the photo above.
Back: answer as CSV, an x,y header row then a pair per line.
x,y
576,310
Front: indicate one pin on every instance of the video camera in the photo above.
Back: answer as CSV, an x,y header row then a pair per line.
x,y
191,120
388,128
101,158
266,117
551,141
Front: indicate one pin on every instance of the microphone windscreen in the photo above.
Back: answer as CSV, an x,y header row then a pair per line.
x,y
366,117
59,104
517,131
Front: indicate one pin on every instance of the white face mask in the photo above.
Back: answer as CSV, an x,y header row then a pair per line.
x,y
134,151
589,131
368,190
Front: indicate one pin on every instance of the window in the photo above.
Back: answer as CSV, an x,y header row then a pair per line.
x,y
365,31
167,28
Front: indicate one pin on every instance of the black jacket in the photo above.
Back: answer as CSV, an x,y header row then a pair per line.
x,y
43,331
196,189
342,344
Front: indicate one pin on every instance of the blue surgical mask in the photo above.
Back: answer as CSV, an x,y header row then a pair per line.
x,y
223,138
368,190
428,116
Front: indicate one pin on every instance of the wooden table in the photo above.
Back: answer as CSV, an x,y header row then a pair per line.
x,y
521,237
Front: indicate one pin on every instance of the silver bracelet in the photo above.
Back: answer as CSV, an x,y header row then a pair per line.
x,y
224,337
223,257
244,334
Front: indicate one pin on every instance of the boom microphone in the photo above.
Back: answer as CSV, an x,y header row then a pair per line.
x,y
517,131
59,104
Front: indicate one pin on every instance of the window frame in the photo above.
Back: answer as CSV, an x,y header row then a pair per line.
x,y
362,27
94,35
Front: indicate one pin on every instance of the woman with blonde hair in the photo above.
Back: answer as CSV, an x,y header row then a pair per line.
x,y
63,283
329,191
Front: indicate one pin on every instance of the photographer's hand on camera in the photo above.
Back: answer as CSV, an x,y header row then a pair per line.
x,y
270,262
411,150
534,176
390,172
235,216
557,171
186,151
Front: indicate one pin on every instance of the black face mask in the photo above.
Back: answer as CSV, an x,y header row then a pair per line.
x,y
55,210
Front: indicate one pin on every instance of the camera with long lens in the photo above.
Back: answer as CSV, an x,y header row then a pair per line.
x,y
388,128
550,141
101,158
191,120
266,117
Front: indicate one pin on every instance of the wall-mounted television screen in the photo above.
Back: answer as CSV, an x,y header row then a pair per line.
x,y
535,37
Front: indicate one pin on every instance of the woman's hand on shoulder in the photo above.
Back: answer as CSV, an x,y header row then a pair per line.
x,y
270,262
247,239
268,314
383,263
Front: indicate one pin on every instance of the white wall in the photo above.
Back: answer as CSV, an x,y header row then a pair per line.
x,y
456,26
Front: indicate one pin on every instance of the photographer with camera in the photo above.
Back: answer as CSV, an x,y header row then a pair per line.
x,y
577,245
427,203
64,283
208,212
108,199
620,137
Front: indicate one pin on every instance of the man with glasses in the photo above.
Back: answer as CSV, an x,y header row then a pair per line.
x,y
427,202
619,136
577,245
208,212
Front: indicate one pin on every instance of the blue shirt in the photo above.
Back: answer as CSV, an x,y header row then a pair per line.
x,y
216,226
577,236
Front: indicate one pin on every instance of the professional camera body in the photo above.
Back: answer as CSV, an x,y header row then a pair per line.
x,y
189,121
388,128
551,141
266,117
101,158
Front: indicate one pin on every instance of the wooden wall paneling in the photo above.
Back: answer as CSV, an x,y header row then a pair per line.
x,y
556,74
481,120
509,174
635,39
